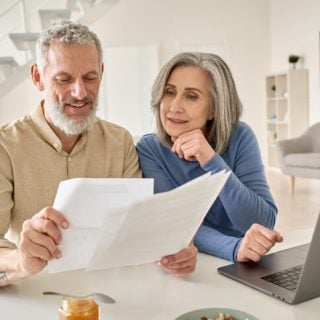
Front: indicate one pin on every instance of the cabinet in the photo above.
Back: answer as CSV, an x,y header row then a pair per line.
x,y
287,108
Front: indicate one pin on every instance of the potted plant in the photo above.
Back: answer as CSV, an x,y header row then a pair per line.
x,y
293,59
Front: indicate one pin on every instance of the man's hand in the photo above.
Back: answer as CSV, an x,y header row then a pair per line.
x,y
193,145
40,237
257,241
182,263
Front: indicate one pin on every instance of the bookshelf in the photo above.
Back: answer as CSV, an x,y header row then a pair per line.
x,y
287,108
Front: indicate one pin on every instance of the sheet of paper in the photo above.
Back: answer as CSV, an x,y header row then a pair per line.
x,y
118,223
156,226
85,202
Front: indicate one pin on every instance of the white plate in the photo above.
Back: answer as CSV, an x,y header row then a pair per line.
x,y
213,313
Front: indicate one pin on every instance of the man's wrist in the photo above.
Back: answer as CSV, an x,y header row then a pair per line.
x,y
4,281
9,277
11,271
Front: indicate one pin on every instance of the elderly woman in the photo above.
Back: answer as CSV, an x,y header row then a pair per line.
x,y
197,110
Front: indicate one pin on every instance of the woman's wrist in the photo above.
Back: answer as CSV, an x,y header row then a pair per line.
x,y
205,160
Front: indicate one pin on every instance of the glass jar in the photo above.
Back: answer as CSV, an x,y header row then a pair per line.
x,y
79,308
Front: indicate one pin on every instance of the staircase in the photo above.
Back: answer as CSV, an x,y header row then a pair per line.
x,y
21,44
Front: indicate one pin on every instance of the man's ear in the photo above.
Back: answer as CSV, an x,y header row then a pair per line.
x,y
102,68
36,77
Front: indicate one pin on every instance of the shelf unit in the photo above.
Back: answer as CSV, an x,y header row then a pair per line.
x,y
287,108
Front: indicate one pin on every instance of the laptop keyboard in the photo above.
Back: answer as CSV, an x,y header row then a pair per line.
x,y
287,278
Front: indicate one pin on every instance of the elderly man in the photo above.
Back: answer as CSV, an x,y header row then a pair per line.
x,y
61,139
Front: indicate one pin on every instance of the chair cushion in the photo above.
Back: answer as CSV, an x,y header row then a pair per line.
x,y
306,160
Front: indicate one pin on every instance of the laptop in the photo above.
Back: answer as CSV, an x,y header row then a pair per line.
x,y
291,275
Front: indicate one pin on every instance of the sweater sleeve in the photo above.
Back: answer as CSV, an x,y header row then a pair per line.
x,y
213,242
246,196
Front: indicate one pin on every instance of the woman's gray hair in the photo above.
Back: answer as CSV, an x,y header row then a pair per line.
x,y
66,32
225,103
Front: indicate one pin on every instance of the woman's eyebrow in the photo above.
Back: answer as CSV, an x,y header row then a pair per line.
x,y
193,89
188,88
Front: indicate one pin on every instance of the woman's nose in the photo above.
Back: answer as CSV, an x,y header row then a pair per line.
x,y
176,105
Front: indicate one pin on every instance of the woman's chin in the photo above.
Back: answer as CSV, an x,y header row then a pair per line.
x,y
175,132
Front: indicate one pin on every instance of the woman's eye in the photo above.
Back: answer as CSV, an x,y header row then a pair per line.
x,y
169,92
191,97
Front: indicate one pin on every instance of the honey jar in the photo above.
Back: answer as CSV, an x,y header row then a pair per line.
x,y
79,308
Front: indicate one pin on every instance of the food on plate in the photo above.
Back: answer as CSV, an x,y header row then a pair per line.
x,y
220,317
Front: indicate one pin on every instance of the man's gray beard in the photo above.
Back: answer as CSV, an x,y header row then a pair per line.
x,y
69,126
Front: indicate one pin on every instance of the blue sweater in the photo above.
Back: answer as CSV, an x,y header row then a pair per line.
x,y
245,199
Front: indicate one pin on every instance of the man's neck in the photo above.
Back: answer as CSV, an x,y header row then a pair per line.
x,y
67,141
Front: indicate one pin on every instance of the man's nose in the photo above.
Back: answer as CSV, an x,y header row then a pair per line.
x,y
78,89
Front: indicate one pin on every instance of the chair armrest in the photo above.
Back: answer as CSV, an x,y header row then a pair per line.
x,y
301,144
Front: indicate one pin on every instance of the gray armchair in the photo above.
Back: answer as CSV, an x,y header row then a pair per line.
x,y
300,157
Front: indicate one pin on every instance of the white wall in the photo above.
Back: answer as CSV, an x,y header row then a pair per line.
x,y
128,77
242,27
20,101
295,27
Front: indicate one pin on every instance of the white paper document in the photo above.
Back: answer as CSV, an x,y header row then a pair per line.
x,y
85,202
124,224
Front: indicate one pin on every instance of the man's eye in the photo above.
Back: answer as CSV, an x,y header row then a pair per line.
x,y
63,80
91,79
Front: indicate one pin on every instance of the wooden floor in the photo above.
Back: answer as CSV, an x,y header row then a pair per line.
x,y
298,210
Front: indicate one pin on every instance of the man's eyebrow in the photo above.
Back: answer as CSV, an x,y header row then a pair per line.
x,y
92,71
64,73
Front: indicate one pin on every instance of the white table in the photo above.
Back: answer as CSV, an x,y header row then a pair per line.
x,y
146,292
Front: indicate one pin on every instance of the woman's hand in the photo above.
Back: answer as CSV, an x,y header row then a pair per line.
x,y
182,263
193,145
257,241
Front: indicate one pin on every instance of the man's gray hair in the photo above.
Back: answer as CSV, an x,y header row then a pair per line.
x,y
225,103
66,32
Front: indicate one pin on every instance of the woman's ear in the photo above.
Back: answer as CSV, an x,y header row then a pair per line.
x,y
210,116
36,77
